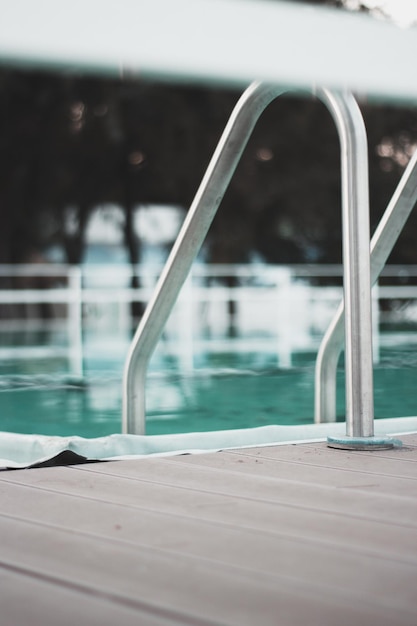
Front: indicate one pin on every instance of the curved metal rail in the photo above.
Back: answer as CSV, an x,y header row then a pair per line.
x,y
189,241
355,212
382,243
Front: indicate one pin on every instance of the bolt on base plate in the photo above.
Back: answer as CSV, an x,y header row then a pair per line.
x,y
363,443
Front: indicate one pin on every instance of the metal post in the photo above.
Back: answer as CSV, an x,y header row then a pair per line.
x,y
382,243
356,273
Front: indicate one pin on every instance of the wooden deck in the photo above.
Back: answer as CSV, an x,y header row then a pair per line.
x,y
286,535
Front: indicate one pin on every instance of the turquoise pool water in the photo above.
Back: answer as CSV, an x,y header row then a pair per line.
x,y
228,391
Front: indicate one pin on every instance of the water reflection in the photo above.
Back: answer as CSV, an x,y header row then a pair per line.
x,y
201,376
227,393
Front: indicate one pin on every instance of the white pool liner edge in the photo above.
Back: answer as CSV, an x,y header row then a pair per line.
x,y
21,451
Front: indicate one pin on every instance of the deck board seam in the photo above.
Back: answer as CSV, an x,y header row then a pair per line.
x,y
171,615
281,503
222,470
240,496
250,530
327,467
211,468
278,479
303,585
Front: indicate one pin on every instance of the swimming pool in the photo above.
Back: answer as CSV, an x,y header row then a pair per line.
x,y
226,390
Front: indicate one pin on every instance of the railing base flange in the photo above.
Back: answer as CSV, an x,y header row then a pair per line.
x,y
363,443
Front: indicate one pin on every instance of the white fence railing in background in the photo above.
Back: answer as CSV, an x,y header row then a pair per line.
x,y
278,309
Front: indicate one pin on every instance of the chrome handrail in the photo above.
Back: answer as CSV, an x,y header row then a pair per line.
x,y
192,234
355,213
382,243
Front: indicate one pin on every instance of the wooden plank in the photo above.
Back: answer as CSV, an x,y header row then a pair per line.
x,y
28,600
210,589
257,486
168,532
200,540
339,478
410,440
140,497
387,463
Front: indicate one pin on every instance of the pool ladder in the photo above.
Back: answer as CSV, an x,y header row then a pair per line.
x,y
353,318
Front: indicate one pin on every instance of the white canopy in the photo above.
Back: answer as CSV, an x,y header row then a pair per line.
x,y
232,41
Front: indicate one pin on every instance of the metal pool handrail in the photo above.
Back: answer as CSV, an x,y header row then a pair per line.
x,y
382,243
355,215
